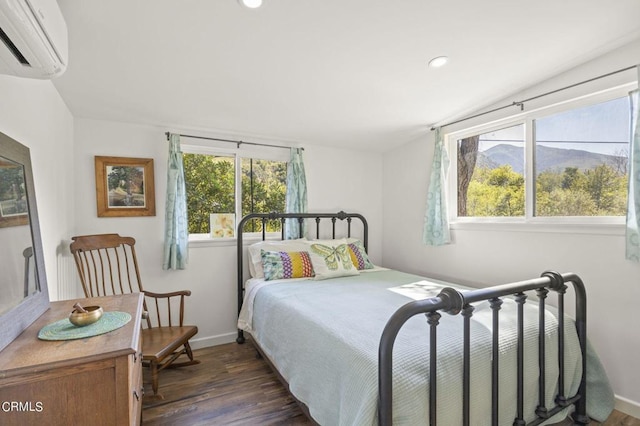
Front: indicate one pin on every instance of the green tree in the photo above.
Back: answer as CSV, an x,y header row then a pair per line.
x,y
604,185
210,188
600,191
548,181
496,192
263,191
564,202
570,177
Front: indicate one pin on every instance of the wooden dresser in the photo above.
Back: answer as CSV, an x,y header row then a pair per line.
x,y
94,381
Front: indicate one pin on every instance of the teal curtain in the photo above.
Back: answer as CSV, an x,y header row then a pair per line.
x,y
436,223
633,202
176,234
296,197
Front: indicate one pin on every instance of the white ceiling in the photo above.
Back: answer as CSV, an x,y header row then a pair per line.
x,y
347,73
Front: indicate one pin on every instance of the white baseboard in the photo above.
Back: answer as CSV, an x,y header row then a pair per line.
x,y
204,342
626,406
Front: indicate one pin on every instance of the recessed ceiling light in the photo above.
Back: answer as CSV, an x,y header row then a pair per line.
x,y
251,4
438,61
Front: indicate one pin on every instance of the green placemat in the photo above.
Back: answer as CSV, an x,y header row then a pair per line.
x,y
64,330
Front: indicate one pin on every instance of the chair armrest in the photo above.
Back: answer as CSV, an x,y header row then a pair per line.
x,y
157,304
163,295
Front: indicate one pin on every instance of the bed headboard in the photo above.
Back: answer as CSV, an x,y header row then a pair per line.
x,y
301,218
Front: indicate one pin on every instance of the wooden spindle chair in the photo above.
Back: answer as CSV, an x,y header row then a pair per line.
x,y
107,265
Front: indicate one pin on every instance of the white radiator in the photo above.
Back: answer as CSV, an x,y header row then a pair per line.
x,y
68,282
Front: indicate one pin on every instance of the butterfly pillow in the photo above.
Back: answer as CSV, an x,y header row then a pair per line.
x,y
331,259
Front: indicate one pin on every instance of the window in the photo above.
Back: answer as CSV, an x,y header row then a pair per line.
x,y
569,161
264,186
581,158
229,183
491,173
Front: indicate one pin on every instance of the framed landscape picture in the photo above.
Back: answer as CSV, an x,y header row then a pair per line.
x,y
125,186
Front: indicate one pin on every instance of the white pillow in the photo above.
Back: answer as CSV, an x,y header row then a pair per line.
x,y
331,259
255,259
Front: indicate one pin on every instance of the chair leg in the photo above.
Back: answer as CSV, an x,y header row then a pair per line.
x,y
154,377
186,351
187,347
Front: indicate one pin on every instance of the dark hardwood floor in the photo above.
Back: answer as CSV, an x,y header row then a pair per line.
x,y
231,386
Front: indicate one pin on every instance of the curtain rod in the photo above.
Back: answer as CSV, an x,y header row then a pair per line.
x,y
521,103
238,143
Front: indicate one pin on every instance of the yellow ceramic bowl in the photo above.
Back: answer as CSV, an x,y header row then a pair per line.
x,y
81,319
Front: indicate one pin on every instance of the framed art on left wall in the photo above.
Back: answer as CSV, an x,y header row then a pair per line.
x,y
125,187
13,196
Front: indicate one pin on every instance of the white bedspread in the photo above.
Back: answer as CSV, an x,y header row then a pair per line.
x,y
323,338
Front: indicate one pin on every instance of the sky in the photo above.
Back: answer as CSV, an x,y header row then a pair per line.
x,y
602,128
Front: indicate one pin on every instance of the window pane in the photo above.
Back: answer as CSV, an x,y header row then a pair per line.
x,y
581,158
210,186
491,173
263,191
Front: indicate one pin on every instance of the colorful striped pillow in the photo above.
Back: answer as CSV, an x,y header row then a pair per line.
x,y
282,264
359,256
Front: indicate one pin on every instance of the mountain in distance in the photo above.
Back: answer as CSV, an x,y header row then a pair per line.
x,y
547,158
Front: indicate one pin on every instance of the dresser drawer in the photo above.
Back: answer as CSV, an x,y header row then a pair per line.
x,y
61,397
136,386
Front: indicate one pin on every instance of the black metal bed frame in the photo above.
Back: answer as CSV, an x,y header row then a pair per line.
x,y
300,218
453,302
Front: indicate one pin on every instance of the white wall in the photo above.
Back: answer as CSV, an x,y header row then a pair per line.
x,y
340,179
336,179
32,112
492,255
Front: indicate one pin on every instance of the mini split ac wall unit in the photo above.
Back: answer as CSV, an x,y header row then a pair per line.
x,y
33,39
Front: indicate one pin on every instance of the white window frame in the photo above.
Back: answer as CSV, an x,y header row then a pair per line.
x,y
238,154
577,224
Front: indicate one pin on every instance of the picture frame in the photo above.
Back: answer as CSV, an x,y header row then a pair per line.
x,y
13,197
124,187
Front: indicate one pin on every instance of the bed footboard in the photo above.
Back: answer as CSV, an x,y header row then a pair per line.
x,y
453,302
